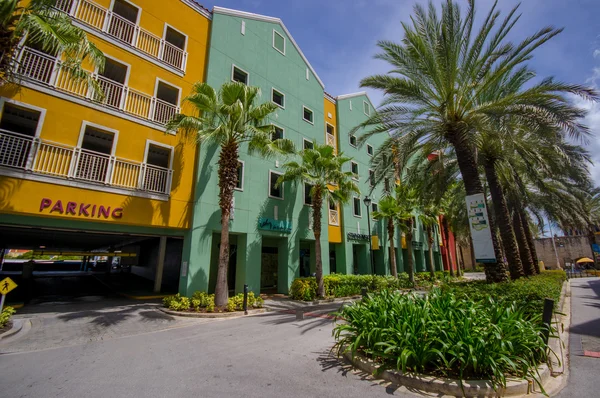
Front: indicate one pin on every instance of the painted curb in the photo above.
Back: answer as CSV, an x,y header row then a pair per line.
x,y
213,314
446,386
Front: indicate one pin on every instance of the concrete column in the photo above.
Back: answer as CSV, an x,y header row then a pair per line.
x,y
160,265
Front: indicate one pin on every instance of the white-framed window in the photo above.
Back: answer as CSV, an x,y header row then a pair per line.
x,y
278,98
354,170
21,118
275,191
96,146
369,150
371,178
332,205
307,115
174,39
374,207
99,139
158,154
356,207
307,196
366,108
329,129
239,185
307,144
278,42
353,141
125,11
239,75
278,133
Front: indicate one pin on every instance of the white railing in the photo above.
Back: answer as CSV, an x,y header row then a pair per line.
x,y
330,140
43,68
334,217
50,158
114,25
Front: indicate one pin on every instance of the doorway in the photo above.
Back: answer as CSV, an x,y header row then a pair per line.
x,y
268,270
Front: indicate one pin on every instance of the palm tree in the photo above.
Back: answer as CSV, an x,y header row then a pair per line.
x,y
48,29
320,168
230,118
407,198
441,70
429,218
389,210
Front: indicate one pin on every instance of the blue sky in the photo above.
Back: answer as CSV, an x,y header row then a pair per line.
x,y
339,39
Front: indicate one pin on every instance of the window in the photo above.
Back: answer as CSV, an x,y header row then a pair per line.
x,y
353,141
96,145
21,120
354,169
119,27
371,178
278,98
369,150
356,207
374,207
17,120
307,114
173,52
239,75
330,129
275,191
278,42
239,184
307,144
367,108
332,205
111,80
158,156
307,197
277,134
168,101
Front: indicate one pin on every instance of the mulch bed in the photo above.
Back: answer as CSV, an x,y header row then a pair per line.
x,y
6,327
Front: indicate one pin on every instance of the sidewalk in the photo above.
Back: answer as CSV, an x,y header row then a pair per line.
x,y
584,339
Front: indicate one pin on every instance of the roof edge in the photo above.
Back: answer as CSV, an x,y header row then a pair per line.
x,y
264,18
352,95
198,7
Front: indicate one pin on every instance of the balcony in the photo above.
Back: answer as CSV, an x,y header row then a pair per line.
x,y
47,158
43,68
125,31
334,218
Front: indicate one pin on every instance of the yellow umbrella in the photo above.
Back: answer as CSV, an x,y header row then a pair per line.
x,y
585,260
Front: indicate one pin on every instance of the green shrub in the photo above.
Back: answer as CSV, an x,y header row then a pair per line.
x,y
444,334
237,302
231,306
5,316
177,302
528,293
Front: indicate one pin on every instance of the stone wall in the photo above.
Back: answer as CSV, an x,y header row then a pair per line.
x,y
568,248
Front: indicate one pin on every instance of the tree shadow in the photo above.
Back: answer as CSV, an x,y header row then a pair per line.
x,y
111,318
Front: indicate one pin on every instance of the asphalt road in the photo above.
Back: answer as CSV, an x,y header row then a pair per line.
x,y
270,355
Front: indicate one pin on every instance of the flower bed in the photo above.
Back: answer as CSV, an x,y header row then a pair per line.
x,y
7,313
204,302
445,335
336,285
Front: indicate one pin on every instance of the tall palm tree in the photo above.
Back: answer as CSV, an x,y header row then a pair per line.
x,y
229,118
429,219
49,29
439,72
321,168
407,198
390,211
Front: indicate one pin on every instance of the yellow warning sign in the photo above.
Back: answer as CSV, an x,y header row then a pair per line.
x,y
7,285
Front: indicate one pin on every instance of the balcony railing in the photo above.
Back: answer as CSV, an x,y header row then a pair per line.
x,y
330,140
50,158
46,69
114,25
334,218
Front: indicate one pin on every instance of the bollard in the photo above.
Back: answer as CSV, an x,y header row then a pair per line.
x,y
245,299
547,317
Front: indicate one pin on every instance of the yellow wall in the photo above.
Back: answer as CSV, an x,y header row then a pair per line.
x,y
64,118
335,232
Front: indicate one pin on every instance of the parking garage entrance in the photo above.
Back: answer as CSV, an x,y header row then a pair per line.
x,y
52,264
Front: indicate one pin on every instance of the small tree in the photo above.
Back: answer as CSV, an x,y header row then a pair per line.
x,y
321,168
229,119
389,211
429,218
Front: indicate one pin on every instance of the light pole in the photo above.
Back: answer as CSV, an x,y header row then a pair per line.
x,y
367,202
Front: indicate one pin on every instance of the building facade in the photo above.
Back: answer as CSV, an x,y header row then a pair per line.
x,y
72,161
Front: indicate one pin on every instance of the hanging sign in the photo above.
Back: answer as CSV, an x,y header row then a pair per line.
x,y
481,232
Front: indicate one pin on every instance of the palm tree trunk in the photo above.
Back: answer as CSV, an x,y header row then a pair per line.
x,y
467,163
524,251
228,161
473,259
410,263
317,204
592,241
462,256
509,242
391,230
431,265
445,230
529,238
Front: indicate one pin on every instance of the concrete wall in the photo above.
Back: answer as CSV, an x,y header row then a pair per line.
x,y
568,248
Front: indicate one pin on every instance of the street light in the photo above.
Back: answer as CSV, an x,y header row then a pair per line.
x,y
367,202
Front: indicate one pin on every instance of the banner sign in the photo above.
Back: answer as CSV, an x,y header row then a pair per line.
x,y
481,232
353,236
268,224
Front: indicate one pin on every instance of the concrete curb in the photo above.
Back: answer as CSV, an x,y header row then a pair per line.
x,y
446,386
234,314
19,327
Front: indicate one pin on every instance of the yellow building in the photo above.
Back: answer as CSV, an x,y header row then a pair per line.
x,y
72,160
